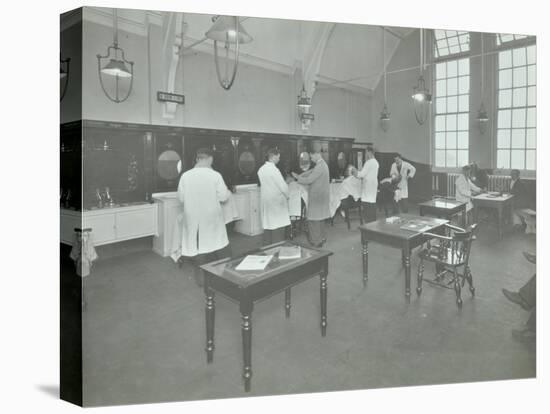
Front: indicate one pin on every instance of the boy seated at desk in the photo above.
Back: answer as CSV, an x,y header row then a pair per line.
x,y
466,190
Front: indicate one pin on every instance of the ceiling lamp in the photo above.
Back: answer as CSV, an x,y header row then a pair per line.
x,y
482,116
422,98
117,66
227,29
64,75
385,114
304,101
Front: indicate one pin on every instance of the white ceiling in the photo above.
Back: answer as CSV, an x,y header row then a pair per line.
x,y
344,55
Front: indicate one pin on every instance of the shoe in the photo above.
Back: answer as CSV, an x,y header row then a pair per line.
x,y
531,258
516,298
524,335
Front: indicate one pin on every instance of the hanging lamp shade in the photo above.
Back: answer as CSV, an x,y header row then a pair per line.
x,y
420,92
226,28
62,73
304,101
116,67
482,114
385,118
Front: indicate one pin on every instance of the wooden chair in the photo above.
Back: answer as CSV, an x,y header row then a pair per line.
x,y
346,206
450,252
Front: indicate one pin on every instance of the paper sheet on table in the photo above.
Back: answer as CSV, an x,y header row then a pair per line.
x,y
254,262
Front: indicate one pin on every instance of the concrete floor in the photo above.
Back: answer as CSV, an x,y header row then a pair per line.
x,y
144,334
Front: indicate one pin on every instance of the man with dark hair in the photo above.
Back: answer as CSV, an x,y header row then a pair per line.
x,y
318,181
273,198
403,171
369,186
201,190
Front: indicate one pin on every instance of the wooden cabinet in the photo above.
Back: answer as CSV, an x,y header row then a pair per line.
x,y
168,209
247,198
111,225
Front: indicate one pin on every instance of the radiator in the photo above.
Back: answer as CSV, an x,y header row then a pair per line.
x,y
495,183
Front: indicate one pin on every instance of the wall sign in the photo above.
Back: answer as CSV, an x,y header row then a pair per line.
x,y
170,97
307,116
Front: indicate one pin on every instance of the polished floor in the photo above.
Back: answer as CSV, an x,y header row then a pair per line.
x,y
144,334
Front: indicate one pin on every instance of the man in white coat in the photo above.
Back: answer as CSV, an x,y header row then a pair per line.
x,y
403,170
201,190
273,198
465,189
369,185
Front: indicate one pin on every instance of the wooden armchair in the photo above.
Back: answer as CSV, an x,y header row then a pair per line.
x,y
450,252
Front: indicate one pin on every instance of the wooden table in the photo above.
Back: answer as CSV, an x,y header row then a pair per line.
x,y
392,235
248,287
499,203
443,208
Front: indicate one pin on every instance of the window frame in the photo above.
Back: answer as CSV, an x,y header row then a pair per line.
x,y
511,45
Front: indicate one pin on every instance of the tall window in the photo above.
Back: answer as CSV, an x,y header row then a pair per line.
x,y
516,124
452,105
450,42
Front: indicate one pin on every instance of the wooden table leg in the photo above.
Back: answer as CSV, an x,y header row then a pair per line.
x,y
407,256
324,275
499,222
210,316
365,254
464,212
246,330
287,302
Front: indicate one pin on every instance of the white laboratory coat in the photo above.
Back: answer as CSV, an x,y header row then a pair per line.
x,y
201,190
369,175
274,197
463,192
407,171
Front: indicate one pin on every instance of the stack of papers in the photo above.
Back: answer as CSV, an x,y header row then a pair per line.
x,y
254,262
290,252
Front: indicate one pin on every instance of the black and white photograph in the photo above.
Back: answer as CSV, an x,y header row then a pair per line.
x,y
275,205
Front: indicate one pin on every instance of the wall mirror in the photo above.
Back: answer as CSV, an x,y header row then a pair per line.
x,y
247,163
168,164
341,161
305,161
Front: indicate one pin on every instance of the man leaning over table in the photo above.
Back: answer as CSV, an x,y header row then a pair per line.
x,y
465,190
403,170
369,186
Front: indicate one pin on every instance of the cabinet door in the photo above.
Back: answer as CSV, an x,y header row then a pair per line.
x,y
103,227
136,223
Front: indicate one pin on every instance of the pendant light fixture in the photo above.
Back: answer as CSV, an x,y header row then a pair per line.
x,y
304,101
385,114
482,117
64,75
227,29
117,66
422,98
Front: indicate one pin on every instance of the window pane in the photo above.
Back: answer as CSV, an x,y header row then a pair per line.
x,y
451,140
462,140
463,103
505,79
451,158
518,118
520,97
504,118
440,140
464,67
505,98
440,158
453,41
463,84
462,122
451,68
519,56
520,76
451,122
518,138
505,59
444,51
452,104
531,54
441,87
531,117
452,87
503,138
531,75
454,49
530,160
531,138
462,158
518,159
441,105
503,159
532,96
440,123
441,70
